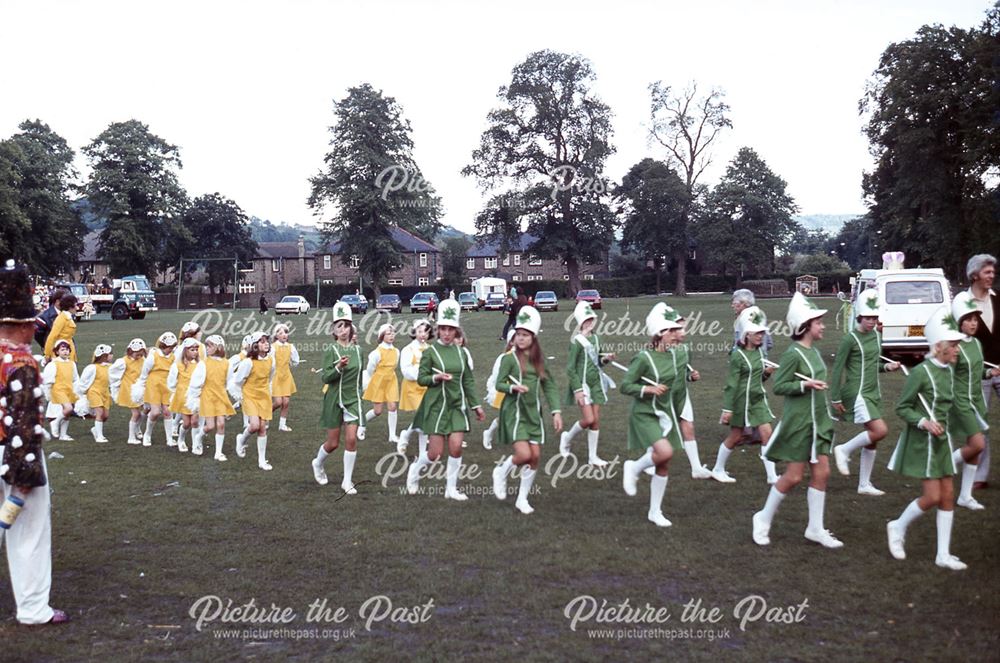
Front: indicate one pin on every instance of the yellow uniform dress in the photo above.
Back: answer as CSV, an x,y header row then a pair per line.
x,y
184,371
285,356
131,367
214,402
383,386
409,365
99,392
62,387
257,389
156,392
64,328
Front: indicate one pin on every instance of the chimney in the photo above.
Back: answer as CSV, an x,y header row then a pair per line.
x,y
302,246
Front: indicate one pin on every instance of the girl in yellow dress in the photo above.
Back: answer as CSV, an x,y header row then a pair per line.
x,y
63,328
192,330
207,393
234,363
286,355
94,390
58,379
251,385
122,375
412,393
383,388
151,387
178,381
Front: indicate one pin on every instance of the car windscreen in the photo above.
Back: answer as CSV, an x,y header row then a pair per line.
x,y
913,292
290,300
588,293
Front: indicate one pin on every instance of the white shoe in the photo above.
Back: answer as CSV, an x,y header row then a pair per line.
x,y
133,440
285,429
870,490
197,449
182,447
499,483
597,462
761,530
221,458
241,447
722,476
171,441
657,519
951,562
701,472
564,442
348,488
629,477
264,465
841,457
319,473
524,507
413,478
401,447
65,438
100,439
897,538
970,503
455,495
824,538
487,440
147,441
361,432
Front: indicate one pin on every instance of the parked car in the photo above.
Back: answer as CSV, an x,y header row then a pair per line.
x,y
494,301
591,296
290,304
389,304
423,301
468,301
546,300
358,303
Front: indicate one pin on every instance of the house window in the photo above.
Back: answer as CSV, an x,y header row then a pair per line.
x,y
328,281
588,277
275,264
490,263
506,260
517,259
423,259
534,277
534,260
246,287
470,263
355,262
565,277
515,277
423,281
327,262
395,281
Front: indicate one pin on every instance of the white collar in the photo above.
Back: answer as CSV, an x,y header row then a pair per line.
x,y
386,345
940,364
990,293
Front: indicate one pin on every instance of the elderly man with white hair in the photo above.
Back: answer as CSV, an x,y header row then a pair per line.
x,y
743,299
981,270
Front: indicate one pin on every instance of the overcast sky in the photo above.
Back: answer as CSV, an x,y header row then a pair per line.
x,y
245,89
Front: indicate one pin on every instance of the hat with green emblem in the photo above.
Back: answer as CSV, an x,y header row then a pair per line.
x,y
342,311
964,305
448,313
801,311
529,319
941,327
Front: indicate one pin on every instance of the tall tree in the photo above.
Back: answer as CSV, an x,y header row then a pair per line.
x,y
748,215
223,231
44,163
545,148
15,226
654,200
372,183
133,184
686,125
931,122
453,262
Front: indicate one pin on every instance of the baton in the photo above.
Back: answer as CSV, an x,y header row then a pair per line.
x,y
798,375
625,368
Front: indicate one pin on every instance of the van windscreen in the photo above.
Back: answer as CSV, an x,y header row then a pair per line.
x,y
913,292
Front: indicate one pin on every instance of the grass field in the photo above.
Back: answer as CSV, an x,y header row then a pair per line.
x,y
141,534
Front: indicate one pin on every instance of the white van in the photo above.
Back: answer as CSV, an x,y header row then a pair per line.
x,y
907,297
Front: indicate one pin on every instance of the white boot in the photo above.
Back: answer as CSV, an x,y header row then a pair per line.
x,y
657,487
527,479
317,464
865,486
98,432
719,471
944,557
262,453
762,519
815,531
133,432
168,429
181,434
698,471
896,529
64,431
283,425
347,485
219,439
965,498
500,474
593,459
451,491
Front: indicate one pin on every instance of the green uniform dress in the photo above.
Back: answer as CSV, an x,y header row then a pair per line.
x,y
679,389
341,386
652,418
968,412
805,430
521,414
858,363
446,405
744,396
584,370
918,453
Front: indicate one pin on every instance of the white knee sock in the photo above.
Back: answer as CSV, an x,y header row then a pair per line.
x,y
657,488
261,449
910,513
574,430
494,425
507,466
393,418
944,521
64,428
98,429
369,415
862,439
454,465
219,438
168,428
132,425
349,458
691,449
321,455
646,460
592,438
149,427
720,460
774,498
181,434
423,444
56,425
527,479
956,457
817,503
968,478
282,422
770,468
867,463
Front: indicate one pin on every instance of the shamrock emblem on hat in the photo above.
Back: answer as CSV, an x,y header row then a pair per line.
x,y
587,309
523,317
873,300
971,305
341,310
810,305
669,314
757,317
448,313
950,322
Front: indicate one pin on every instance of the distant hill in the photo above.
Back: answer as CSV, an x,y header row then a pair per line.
x,y
828,223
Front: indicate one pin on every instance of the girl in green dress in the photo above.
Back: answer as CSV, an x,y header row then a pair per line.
x,y
855,382
342,374
653,425
805,432
588,385
968,416
522,376
924,450
444,411
744,401
683,373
